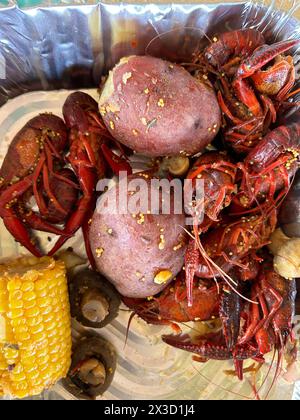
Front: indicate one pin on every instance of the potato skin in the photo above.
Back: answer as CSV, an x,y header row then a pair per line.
x,y
130,255
157,108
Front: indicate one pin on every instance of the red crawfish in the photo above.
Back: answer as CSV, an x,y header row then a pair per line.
x,y
269,168
209,302
89,154
228,246
218,173
268,325
239,58
32,167
171,306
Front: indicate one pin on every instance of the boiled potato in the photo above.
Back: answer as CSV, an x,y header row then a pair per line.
x,y
139,253
157,108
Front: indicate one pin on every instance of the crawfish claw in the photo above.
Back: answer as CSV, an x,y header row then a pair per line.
x,y
210,346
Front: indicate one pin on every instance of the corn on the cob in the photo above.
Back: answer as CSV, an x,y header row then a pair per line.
x,y
35,326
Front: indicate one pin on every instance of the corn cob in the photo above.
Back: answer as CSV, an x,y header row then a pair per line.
x,y
35,326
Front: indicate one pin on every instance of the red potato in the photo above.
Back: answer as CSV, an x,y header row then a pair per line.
x,y
157,108
140,254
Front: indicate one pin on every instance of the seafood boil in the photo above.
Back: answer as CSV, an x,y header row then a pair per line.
x,y
219,119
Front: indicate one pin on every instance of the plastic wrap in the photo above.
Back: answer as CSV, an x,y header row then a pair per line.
x,y
71,46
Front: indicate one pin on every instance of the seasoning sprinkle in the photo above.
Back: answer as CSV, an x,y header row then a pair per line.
x,y
126,76
163,277
161,103
177,247
162,242
141,219
102,110
99,252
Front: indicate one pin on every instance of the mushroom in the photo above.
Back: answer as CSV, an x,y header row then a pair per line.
x,y
71,259
94,306
93,366
286,253
289,214
176,165
94,301
92,372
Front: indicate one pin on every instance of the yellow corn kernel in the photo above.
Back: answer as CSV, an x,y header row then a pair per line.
x,y
43,293
35,333
40,336
29,296
27,286
43,352
48,318
32,322
37,329
10,353
16,295
28,361
3,363
44,302
29,304
3,304
53,282
34,374
18,322
15,313
32,312
16,304
14,285
18,377
22,336
54,359
47,309
41,284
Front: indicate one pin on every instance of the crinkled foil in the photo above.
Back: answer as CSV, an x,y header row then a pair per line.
x,y
72,46
46,48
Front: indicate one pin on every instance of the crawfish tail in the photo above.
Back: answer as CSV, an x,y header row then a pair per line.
x,y
230,314
283,318
172,304
278,141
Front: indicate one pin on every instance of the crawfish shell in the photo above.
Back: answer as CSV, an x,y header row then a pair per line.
x,y
24,150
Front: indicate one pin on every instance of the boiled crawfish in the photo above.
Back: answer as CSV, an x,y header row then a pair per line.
x,y
171,306
218,174
35,165
268,324
269,168
89,156
249,94
32,167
